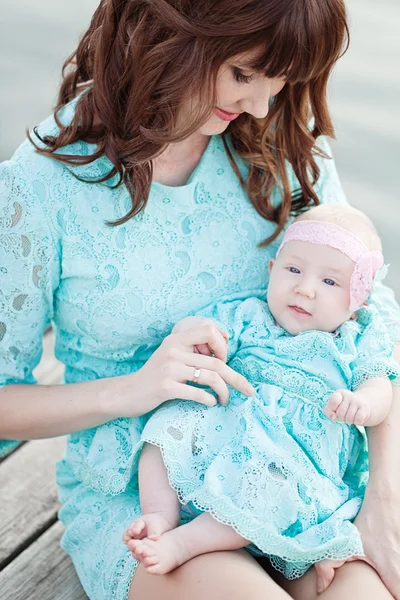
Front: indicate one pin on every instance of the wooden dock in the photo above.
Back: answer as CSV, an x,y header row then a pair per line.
x,y
32,564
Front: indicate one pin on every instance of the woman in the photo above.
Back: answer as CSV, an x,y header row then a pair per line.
x,y
136,210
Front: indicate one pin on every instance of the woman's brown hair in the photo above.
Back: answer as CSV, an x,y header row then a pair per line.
x,y
141,59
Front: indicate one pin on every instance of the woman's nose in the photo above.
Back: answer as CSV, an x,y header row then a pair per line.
x,y
260,94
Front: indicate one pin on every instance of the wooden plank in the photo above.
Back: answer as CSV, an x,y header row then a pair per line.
x,y
42,572
28,495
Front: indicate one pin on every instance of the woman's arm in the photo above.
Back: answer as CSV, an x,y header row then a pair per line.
x,y
30,411
379,517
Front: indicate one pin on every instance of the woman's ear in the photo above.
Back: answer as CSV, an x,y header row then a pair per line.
x,y
270,265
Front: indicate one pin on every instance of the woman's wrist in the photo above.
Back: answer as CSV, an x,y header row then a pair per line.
x,y
122,397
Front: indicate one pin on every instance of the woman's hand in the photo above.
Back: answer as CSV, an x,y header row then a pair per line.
x,y
189,323
379,525
173,364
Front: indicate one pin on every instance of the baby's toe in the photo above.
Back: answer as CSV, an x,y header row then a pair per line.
x,y
135,546
150,561
148,551
137,527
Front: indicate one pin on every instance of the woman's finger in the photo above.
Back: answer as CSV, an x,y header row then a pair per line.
x,y
230,376
211,379
190,392
203,334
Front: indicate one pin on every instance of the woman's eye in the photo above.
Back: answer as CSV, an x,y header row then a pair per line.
x,y
241,77
294,270
329,282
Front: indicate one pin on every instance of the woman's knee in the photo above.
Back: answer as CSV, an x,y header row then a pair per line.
x,y
233,575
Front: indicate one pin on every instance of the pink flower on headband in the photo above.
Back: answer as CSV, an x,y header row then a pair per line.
x,y
366,263
363,277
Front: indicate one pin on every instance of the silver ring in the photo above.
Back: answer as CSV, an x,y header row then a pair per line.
x,y
196,375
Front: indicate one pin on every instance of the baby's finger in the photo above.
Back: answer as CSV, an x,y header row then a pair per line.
x,y
203,349
361,416
351,413
333,404
343,408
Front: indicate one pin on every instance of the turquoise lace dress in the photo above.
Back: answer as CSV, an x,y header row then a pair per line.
x,y
273,466
112,294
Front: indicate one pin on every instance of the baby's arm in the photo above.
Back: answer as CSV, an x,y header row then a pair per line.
x,y
369,405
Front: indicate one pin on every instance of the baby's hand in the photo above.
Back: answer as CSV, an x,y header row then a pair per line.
x,y
350,407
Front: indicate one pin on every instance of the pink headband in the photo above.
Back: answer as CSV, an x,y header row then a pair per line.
x,y
366,265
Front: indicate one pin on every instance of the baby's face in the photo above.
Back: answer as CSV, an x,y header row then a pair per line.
x,y
309,287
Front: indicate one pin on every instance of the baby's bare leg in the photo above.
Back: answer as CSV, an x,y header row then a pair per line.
x,y
352,580
159,503
202,535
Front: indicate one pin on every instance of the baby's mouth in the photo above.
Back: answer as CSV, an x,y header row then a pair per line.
x,y
299,311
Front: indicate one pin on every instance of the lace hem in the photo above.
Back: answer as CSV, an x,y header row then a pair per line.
x,y
387,369
285,554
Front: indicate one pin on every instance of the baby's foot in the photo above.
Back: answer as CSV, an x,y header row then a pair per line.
x,y
150,526
161,556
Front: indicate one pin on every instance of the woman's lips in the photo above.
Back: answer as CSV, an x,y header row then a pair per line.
x,y
299,311
225,116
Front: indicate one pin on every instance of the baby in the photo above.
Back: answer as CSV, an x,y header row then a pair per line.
x,y
282,472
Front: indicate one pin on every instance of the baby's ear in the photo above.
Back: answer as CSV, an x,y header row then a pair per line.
x,y
271,264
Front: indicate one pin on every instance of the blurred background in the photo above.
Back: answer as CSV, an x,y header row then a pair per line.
x,y
36,36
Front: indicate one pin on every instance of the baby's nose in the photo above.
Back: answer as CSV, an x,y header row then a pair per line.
x,y
306,289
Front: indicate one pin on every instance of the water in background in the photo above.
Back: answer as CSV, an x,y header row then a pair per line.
x,y
36,37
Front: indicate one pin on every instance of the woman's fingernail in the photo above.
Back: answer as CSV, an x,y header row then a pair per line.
x,y
250,390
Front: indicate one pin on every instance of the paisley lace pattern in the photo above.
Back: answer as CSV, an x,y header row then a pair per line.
x,y
273,466
113,294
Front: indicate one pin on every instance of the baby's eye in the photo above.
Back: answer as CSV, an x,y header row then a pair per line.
x,y
294,270
329,282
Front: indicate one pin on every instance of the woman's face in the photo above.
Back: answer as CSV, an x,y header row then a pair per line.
x,y
240,89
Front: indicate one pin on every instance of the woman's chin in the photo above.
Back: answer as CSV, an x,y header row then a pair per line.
x,y
214,126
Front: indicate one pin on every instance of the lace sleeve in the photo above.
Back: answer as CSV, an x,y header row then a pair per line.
x,y
330,191
29,271
374,350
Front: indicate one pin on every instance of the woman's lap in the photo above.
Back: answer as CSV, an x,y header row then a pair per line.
x,y
94,526
232,575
